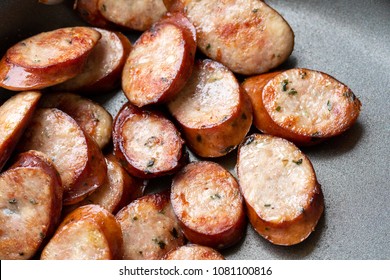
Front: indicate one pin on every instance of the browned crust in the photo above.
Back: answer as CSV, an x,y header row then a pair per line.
x,y
124,115
220,139
199,253
10,142
253,86
17,76
102,219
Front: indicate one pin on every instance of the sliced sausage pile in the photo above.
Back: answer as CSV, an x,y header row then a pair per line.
x,y
200,84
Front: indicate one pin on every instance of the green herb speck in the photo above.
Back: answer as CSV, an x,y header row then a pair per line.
x,y
284,84
292,92
298,162
215,196
12,201
278,108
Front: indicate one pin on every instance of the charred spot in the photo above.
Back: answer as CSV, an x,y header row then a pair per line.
x,y
174,233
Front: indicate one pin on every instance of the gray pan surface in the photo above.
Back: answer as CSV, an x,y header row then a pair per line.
x,y
349,40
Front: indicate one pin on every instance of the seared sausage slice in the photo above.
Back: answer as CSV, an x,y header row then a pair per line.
x,y
30,203
247,36
133,14
208,204
89,115
77,157
310,103
47,59
194,252
119,190
103,69
283,198
146,143
149,228
88,233
15,115
89,12
161,61
212,110
253,86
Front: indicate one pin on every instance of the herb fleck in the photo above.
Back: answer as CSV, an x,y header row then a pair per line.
x,y
160,243
267,205
303,74
135,218
298,162
208,46
164,79
104,8
140,252
329,106
215,196
12,201
278,108
292,91
21,253
33,201
151,162
42,235
255,10
284,84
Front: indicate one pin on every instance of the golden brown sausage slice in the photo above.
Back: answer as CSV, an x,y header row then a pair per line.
x,y
30,205
247,36
15,115
310,103
93,118
76,156
88,233
283,198
149,228
47,59
119,190
212,110
161,61
207,202
103,69
194,252
89,12
253,86
146,143
133,14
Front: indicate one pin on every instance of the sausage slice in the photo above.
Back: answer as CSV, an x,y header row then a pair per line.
x,y
310,103
194,252
89,12
283,198
88,233
47,59
149,228
212,110
133,14
30,203
76,156
208,204
146,143
253,86
119,190
15,115
247,36
103,69
93,118
161,61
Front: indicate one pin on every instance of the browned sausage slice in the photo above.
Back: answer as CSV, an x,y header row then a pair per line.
x,y
30,203
208,204
253,86
76,156
89,115
119,190
247,36
146,143
149,228
47,59
88,233
283,198
310,103
133,14
212,110
103,69
161,61
15,115
89,12
194,252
